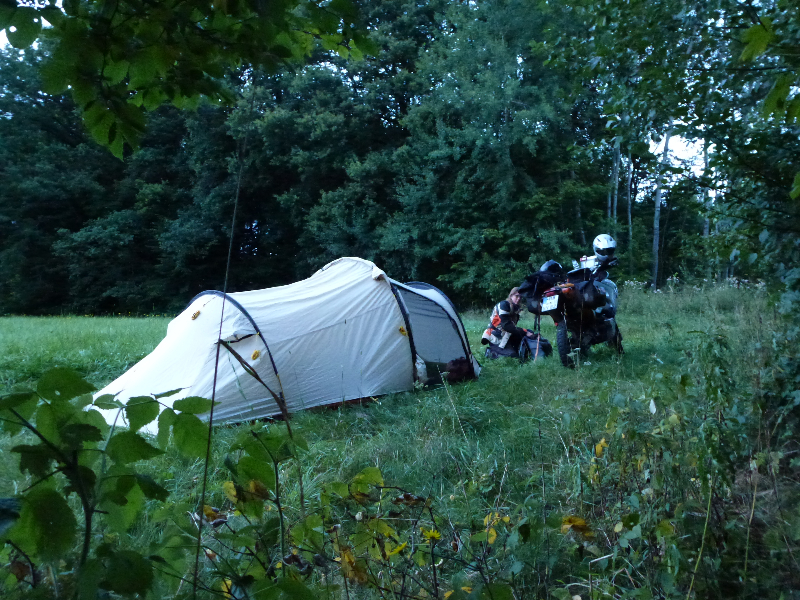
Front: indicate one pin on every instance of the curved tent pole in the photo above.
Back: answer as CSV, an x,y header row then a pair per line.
x,y
243,310
404,312
252,372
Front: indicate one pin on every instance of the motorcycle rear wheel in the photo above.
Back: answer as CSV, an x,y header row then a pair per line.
x,y
563,345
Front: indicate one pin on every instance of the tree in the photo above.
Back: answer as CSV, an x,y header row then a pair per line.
x,y
53,178
120,58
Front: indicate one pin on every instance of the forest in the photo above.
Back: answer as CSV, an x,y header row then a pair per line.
x,y
481,139
153,150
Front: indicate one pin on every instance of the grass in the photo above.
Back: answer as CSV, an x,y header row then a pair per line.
x,y
521,438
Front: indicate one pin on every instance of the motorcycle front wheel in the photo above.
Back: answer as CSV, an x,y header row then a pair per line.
x,y
563,345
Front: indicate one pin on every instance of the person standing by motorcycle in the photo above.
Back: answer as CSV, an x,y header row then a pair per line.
x,y
604,247
502,335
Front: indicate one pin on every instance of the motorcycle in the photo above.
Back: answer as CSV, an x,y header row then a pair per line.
x,y
582,304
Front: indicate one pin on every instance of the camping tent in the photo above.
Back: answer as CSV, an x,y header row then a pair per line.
x,y
346,332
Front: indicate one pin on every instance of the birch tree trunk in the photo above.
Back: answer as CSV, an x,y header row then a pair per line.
x,y
615,179
707,220
630,219
657,213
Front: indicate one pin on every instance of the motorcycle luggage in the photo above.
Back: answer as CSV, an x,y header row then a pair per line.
x,y
494,351
589,295
535,348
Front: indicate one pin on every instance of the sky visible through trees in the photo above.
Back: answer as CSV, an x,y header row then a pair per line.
x,y
454,143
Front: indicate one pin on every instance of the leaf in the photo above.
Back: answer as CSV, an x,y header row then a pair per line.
x,y
795,188
598,448
665,528
15,399
576,524
293,589
167,394
127,447
165,421
192,405
491,535
498,591
95,418
99,124
369,476
46,526
27,24
757,38
56,75
338,488
115,72
143,69
151,489
190,435
47,423
7,13
775,102
89,578
128,572
81,482
276,444
252,468
123,508
62,384
230,491
141,410
631,520
36,460
24,405
52,15
74,435
107,402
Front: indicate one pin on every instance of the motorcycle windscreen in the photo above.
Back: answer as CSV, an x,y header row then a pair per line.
x,y
436,336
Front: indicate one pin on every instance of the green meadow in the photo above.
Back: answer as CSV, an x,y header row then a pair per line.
x,y
606,480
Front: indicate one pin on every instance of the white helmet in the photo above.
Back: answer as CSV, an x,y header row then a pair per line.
x,y
604,245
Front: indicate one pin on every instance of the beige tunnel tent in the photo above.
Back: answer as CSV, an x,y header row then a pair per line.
x,y
347,332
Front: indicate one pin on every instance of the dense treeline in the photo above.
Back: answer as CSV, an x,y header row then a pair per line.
x,y
482,138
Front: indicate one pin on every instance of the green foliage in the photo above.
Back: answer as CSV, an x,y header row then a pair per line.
x,y
120,59
529,481
46,526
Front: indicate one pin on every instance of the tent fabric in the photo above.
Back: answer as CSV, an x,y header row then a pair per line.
x,y
360,335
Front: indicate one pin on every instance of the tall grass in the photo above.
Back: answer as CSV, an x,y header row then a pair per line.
x,y
521,439
100,348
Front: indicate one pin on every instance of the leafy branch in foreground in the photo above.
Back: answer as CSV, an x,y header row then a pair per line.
x,y
121,58
70,450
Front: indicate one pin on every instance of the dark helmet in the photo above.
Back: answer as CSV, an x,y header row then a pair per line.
x,y
551,266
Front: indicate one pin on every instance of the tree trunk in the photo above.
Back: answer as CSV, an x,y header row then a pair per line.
x,y
615,179
663,233
707,220
628,194
657,213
